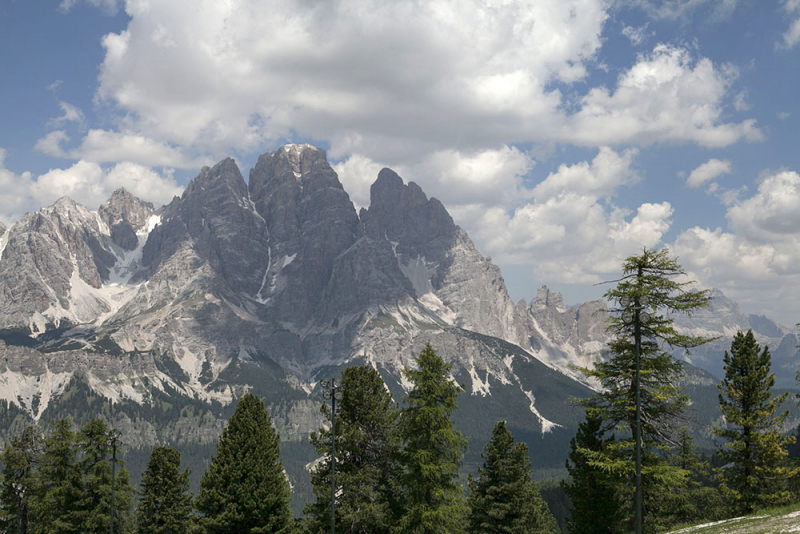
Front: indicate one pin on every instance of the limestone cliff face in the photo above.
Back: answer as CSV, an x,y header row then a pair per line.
x,y
447,274
125,215
311,221
272,285
216,216
267,286
54,258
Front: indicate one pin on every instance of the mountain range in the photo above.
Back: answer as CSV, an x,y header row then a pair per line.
x,y
159,318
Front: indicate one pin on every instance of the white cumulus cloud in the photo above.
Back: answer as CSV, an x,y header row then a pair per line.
x,y
601,177
566,226
486,177
791,36
105,146
85,182
756,262
395,81
69,113
708,171
665,96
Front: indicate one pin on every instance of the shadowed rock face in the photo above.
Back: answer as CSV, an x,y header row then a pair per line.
x,y
403,214
310,220
123,235
124,207
50,253
216,215
270,286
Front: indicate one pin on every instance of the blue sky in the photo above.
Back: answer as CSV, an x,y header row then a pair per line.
x,y
563,135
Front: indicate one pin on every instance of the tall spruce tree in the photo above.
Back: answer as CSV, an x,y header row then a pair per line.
x,y
367,445
758,471
504,499
165,506
596,495
652,274
94,441
58,503
20,459
432,451
245,489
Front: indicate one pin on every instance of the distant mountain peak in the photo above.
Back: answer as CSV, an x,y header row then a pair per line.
x,y
270,285
224,174
402,213
123,208
545,298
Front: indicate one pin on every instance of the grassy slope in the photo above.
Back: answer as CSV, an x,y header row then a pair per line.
x,y
774,521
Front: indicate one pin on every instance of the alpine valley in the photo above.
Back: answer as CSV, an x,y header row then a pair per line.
x,y
159,319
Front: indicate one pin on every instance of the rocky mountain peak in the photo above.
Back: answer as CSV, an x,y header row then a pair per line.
x,y
123,207
223,175
65,207
214,213
389,188
292,172
310,220
301,158
549,299
402,213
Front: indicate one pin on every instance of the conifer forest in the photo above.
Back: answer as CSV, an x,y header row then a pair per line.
x,y
398,467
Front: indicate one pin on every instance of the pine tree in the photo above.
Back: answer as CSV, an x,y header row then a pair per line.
x,y
697,497
652,275
165,506
367,444
758,469
20,459
245,489
596,495
57,504
94,440
505,499
432,451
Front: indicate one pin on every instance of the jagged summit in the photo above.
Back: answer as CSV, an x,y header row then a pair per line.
x,y
123,206
216,219
300,155
224,174
269,286
125,216
403,214
546,298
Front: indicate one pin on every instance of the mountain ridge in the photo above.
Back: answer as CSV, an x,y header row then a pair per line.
x,y
271,285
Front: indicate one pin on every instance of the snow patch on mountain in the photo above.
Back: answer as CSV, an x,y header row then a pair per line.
x,y
129,262
190,363
4,241
88,304
479,387
547,425
260,299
